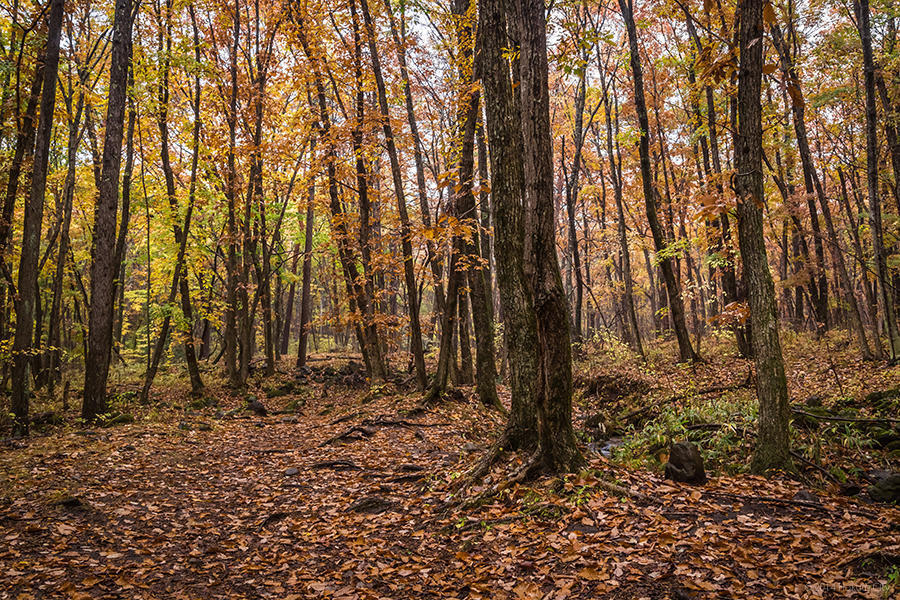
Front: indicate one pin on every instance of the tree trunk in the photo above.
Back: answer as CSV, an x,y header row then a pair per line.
x,y
507,203
231,343
558,452
305,295
415,330
434,257
676,304
861,8
615,177
31,234
773,443
103,269
367,333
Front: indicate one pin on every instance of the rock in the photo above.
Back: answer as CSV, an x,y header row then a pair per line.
x,y
887,490
595,421
410,468
70,502
877,475
876,397
849,489
685,464
806,496
291,471
119,419
256,406
371,505
814,401
290,419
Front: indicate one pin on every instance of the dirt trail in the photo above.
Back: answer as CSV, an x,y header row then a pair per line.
x,y
260,508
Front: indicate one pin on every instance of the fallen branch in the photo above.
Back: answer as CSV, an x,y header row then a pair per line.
x,y
798,411
380,421
788,502
715,389
337,465
355,433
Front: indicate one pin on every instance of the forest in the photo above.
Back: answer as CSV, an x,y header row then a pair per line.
x,y
508,299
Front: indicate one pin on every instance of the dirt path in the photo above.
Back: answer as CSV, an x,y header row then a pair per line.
x,y
260,508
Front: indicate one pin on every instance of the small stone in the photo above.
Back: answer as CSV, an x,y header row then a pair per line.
x,y
814,401
805,496
291,471
372,505
410,468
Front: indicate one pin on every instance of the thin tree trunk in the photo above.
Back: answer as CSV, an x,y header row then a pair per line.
x,y
412,299
861,8
676,304
615,177
31,234
434,258
305,295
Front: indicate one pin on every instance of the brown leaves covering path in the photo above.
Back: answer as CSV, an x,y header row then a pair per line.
x,y
156,511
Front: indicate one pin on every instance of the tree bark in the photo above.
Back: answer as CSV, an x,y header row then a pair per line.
x,y
558,451
31,234
773,443
103,269
412,299
676,303
861,8
508,211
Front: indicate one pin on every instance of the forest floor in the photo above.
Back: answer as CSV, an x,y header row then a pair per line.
x,y
346,492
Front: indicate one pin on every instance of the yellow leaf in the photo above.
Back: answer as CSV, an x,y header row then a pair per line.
x,y
592,574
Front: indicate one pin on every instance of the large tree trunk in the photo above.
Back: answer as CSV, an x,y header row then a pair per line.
x,y
103,269
508,206
558,452
31,234
676,303
861,8
773,443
